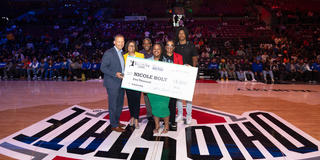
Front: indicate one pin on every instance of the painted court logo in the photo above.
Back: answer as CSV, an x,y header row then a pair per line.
x,y
80,133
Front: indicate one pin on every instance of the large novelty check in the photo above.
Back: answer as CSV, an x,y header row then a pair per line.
x,y
167,79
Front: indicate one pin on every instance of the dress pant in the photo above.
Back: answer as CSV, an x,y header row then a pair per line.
x,y
148,106
134,102
172,108
115,104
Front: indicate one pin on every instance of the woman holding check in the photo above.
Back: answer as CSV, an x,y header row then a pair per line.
x,y
171,57
133,96
159,104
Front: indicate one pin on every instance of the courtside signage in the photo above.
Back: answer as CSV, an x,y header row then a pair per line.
x,y
81,133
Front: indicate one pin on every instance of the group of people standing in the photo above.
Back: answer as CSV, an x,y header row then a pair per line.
x,y
113,62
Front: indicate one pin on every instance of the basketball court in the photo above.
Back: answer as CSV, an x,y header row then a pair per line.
x,y
49,120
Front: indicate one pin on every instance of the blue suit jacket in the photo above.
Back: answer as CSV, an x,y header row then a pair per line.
x,y
110,65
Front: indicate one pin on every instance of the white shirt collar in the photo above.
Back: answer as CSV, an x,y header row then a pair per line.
x,y
118,49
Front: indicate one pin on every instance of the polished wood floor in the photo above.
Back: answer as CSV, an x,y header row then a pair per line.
x,y
23,103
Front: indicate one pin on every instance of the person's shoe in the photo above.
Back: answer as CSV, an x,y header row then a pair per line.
x,y
254,80
136,124
189,119
165,130
179,118
121,125
272,81
118,129
173,126
131,122
245,80
156,130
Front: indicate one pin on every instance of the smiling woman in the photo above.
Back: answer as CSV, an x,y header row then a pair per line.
x,y
133,96
159,104
172,57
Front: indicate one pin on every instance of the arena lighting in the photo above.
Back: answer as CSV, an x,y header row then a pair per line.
x,y
275,4
5,18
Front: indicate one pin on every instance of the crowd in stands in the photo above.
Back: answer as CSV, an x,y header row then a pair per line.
x,y
265,66
239,50
284,57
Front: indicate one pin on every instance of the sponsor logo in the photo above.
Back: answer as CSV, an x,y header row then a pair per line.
x,y
81,133
131,63
142,65
157,68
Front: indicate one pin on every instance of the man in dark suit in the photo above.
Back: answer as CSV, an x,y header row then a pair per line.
x,y
112,66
